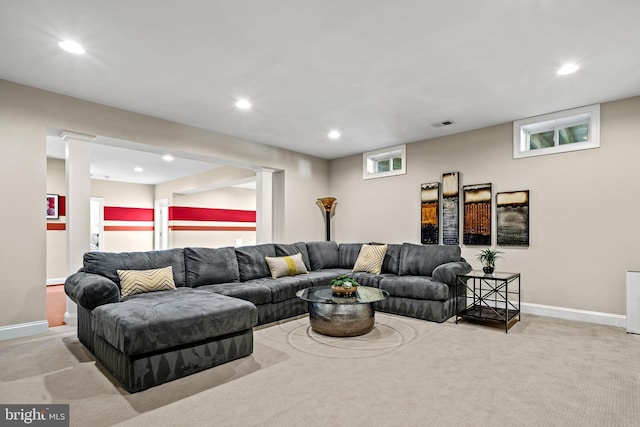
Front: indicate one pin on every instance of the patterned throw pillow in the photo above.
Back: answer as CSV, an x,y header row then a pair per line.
x,y
140,281
286,265
370,258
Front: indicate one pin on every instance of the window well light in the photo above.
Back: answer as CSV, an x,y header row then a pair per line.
x,y
334,134
167,158
138,169
72,47
568,69
243,104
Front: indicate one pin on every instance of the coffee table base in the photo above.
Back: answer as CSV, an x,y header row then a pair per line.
x,y
341,320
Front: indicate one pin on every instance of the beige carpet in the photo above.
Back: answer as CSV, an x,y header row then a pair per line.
x,y
407,372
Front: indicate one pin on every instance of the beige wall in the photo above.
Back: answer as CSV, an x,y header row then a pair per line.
x,y
583,212
56,239
125,195
223,198
25,115
114,193
220,198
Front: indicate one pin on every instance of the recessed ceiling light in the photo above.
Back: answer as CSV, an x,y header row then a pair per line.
x,y
568,69
138,169
167,158
71,46
334,134
243,104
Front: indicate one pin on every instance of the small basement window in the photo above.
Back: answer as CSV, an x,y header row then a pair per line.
x,y
570,130
385,162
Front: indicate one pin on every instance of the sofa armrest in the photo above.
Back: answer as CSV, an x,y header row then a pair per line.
x,y
90,290
446,273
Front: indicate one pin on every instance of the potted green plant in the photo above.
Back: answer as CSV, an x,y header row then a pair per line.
x,y
487,258
343,285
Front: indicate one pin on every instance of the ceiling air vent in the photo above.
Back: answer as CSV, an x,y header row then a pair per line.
x,y
443,123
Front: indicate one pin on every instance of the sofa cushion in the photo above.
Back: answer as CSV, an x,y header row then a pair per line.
x,y
290,265
370,259
208,266
421,260
415,287
367,279
160,320
284,249
107,264
348,254
391,262
323,255
251,261
285,288
247,291
134,282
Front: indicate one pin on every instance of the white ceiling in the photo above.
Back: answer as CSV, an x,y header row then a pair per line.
x,y
116,160
382,72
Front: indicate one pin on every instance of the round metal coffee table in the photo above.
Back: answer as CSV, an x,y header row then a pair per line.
x,y
339,315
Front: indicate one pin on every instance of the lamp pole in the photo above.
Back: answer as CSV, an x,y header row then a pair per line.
x,y
328,206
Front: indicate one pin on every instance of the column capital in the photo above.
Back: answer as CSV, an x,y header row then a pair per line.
x,y
67,135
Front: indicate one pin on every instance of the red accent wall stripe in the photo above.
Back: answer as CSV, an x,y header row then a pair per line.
x,y
183,213
128,228
60,226
112,213
209,228
62,205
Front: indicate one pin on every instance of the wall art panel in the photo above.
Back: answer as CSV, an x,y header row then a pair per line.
x,y
430,200
451,208
477,214
512,211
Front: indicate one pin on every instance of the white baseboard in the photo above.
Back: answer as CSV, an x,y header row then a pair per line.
x,y
70,319
609,319
23,330
56,281
597,317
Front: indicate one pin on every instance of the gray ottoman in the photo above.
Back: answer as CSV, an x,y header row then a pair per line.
x,y
146,340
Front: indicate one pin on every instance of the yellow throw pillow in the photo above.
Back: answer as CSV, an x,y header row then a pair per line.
x,y
370,258
140,281
286,265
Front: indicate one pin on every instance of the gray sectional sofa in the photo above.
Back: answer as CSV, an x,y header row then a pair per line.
x,y
222,293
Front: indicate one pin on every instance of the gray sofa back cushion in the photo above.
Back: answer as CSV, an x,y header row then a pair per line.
x,y
252,263
285,249
348,254
209,266
323,255
107,264
421,260
391,262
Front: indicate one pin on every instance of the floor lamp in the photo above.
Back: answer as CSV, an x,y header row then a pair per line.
x,y
328,206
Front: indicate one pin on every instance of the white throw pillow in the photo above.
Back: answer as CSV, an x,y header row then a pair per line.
x,y
370,258
140,281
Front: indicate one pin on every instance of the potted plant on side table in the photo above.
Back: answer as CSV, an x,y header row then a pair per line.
x,y
487,258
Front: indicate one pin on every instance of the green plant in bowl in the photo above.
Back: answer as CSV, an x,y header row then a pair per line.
x,y
344,282
487,258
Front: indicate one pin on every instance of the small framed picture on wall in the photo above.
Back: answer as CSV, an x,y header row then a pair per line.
x,y
52,206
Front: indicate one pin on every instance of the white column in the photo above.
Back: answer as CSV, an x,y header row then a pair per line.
x,y
77,161
264,206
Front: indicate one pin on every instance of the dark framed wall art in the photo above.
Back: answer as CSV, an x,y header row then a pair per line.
x,y
430,201
512,210
477,214
451,208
